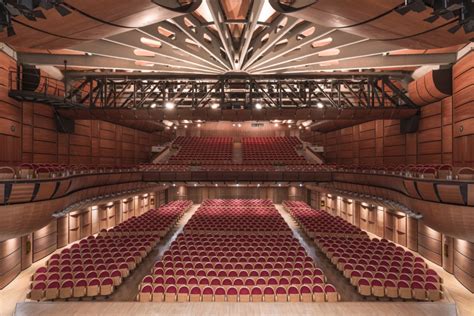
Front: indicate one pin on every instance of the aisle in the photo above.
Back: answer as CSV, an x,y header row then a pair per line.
x,y
128,290
334,276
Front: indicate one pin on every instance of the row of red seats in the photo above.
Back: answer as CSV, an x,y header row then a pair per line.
x,y
224,264
376,267
95,266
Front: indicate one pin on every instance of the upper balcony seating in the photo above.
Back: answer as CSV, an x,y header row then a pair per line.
x,y
377,267
202,150
245,262
271,151
95,266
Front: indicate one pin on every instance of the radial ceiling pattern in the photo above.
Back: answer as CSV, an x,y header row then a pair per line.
x,y
238,36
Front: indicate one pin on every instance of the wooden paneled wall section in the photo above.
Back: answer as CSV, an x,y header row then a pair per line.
x,y
19,253
445,135
28,134
456,256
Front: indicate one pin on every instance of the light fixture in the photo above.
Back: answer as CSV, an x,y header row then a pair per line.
x,y
276,124
239,125
174,184
320,105
258,106
215,106
289,126
199,125
185,126
300,127
175,127
169,105
153,105
233,124
215,185
195,184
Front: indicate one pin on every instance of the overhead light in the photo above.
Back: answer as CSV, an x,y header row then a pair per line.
x,y
411,5
431,19
10,31
239,125
300,127
169,105
258,106
174,184
454,29
175,127
320,105
215,106
62,10
153,105
233,124
276,124
289,126
199,125
216,185
185,126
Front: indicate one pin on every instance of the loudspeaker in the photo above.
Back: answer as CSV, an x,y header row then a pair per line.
x,y
64,125
409,125
30,79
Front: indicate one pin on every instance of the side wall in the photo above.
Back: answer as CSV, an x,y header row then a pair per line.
x,y
18,254
28,134
445,135
456,256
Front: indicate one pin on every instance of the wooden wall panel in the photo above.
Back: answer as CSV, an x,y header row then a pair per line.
x,y
464,263
463,111
10,260
429,243
45,241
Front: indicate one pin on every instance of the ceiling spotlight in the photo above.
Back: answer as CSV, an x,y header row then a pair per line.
x,y
411,5
153,105
431,19
169,105
215,106
174,184
185,126
454,29
258,106
300,127
276,124
216,185
175,127
320,105
199,125
289,126
239,125
62,10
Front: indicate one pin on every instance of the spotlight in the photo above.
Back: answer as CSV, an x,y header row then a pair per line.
x,y
258,106
185,126
454,29
169,105
175,127
153,105
62,10
431,19
320,105
411,5
239,125
199,125
10,31
215,106
300,127
276,124
289,126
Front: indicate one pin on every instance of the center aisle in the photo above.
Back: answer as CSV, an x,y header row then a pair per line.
x,y
129,288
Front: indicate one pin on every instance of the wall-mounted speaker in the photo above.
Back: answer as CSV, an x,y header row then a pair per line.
x,y
64,125
30,78
409,125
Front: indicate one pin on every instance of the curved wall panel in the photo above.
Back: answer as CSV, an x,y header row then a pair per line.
x,y
432,87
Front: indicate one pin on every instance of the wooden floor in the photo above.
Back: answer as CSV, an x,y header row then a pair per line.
x,y
459,300
247,309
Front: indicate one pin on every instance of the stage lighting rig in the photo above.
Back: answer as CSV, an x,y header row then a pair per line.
x,y
30,9
463,10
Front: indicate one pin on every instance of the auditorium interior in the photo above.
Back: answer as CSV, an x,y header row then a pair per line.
x,y
222,157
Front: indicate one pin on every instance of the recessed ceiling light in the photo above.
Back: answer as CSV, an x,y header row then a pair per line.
x,y
320,105
199,125
258,106
153,105
215,106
